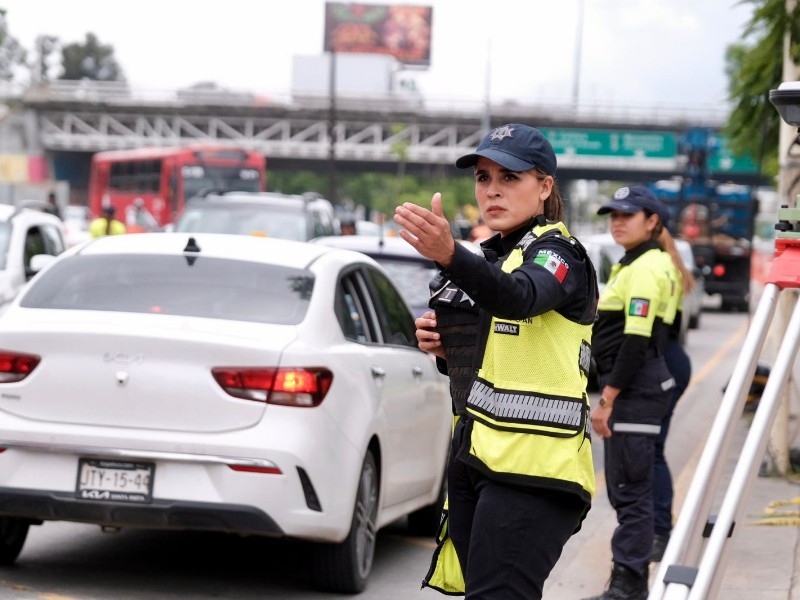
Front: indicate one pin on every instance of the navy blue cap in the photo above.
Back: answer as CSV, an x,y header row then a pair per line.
x,y
516,147
632,199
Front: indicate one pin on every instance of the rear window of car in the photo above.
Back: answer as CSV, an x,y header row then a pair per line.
x,y
246,219
175,285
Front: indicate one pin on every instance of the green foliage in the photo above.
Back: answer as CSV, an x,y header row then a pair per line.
x,y
295,182
90,60
754,68
12,54
377,191
48,57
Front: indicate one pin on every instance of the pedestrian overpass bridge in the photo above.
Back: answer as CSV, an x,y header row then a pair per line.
x,y
367,133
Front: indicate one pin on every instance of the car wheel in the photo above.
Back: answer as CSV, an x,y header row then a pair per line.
x,y
12,536
345,567
425,521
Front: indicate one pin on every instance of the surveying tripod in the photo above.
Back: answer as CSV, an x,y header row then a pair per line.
x,y
689,569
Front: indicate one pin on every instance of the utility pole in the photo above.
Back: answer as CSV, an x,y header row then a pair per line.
x,y
778,454
332,117
576,76
486,119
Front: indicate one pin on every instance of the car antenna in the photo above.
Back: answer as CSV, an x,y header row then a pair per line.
x,y
191,246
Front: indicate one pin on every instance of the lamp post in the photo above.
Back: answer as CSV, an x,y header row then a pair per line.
x,y
486,120
576,76
332,195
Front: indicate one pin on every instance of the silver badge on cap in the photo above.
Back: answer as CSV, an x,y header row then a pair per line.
x,y
502,132
621,193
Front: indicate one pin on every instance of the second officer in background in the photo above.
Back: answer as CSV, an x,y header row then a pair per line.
x,y
634,381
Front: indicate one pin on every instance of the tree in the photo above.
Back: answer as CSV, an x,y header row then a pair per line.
x,y
90,60
47,62
754,68
12,54
378,192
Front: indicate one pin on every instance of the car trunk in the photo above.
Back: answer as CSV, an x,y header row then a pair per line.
x,y
153,373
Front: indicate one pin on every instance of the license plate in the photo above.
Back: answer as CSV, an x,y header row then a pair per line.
x,y
115,481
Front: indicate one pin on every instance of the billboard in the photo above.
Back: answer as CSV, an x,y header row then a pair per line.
x,y
401,31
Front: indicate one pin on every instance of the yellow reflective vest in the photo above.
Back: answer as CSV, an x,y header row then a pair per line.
x,y
101,226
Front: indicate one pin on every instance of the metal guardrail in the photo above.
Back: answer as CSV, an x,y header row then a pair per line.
x,y
121,94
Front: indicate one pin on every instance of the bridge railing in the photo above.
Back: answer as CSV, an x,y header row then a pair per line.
x,y
550,109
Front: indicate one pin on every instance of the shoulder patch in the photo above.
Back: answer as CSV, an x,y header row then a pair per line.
x,y
639,307
552,262
526,241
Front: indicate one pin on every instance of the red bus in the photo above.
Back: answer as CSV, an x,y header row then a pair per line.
x,y
164,178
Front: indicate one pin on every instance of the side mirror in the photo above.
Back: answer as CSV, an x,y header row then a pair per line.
x,y
37,263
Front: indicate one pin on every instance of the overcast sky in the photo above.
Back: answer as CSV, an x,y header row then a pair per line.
x,y
633,52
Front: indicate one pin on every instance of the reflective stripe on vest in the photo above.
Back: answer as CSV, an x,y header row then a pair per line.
x,y
526,407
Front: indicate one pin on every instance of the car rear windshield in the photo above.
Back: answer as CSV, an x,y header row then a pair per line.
x,y
175,285
245,219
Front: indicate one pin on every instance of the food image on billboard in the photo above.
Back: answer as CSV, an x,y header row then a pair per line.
x,y
401,31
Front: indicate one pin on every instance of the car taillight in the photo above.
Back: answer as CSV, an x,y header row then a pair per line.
x,y
15,366
305,387
254,469
719,270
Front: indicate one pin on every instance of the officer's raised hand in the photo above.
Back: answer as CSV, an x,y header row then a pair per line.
x,y
427,230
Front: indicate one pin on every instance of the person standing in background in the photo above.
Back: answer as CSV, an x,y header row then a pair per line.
x,y
52,203
634,380
347,225
138,219
107,224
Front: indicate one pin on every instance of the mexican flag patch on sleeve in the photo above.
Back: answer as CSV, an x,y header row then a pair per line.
x,y
639,307
553,263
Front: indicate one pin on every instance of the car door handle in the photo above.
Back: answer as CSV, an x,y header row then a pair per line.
x,y
378,373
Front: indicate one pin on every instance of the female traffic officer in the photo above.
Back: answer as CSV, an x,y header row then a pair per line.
x,y
634,379
512,330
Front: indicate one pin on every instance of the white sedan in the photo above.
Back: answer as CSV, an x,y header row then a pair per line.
x,y
222,383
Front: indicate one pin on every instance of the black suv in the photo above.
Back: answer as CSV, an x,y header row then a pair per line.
x,y
292,217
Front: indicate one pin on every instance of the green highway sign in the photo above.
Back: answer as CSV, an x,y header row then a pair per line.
x,y
613,144
724,161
